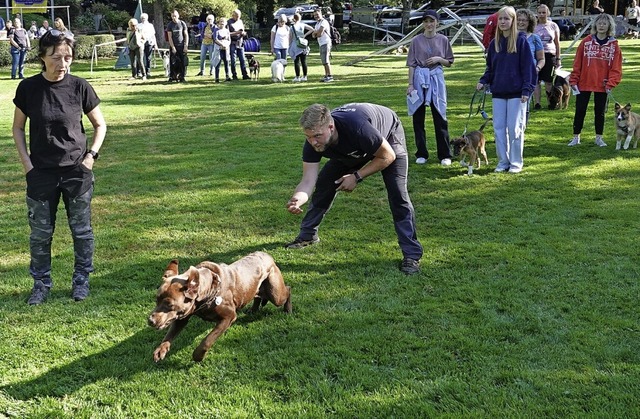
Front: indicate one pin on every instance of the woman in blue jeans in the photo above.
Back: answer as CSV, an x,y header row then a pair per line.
x,y
207,35
20,44
280,38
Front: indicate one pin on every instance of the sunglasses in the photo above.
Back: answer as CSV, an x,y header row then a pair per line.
x,y
55,32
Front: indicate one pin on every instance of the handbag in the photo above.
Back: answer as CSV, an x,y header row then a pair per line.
x,y
301,43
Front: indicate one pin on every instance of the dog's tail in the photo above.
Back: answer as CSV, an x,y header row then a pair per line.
x,y
484,124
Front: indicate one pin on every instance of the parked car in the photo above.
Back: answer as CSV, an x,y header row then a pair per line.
x,y
307,16
390,17
287,11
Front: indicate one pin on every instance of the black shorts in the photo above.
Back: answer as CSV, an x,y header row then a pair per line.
x,y
546,74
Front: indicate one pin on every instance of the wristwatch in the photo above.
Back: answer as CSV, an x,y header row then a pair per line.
x,y
357,176
94,154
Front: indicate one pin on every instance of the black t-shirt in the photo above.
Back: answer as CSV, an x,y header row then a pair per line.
x,y
361,129
55,109
177,30
20,37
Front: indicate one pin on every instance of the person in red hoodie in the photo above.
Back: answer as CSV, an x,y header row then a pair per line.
x,y
489,31
597,68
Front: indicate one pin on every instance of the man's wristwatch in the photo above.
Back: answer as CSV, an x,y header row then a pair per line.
x,y
357,176
94,154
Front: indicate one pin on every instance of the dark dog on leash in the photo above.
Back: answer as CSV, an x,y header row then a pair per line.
x,y
254,67
471,144
558,97
215,292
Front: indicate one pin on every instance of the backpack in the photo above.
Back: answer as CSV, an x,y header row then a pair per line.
x,y
336,38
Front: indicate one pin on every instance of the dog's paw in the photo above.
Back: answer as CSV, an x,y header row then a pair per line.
x,y
464,163
161,351
199,354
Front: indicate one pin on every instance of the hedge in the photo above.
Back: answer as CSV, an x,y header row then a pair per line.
x,y
84,48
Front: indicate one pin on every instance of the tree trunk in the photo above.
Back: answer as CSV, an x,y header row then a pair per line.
x,y
158,23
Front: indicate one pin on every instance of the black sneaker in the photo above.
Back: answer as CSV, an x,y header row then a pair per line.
x,y
299,243
80,290
246,77
234,77
39,293
410,266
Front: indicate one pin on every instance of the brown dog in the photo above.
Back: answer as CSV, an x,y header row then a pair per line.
x,y
470,145
558,97
254,66
627,126
215,292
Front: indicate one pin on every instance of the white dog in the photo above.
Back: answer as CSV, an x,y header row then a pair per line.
x,y
166,63
277,70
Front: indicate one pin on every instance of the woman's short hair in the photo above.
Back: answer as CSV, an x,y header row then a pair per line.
x,y
54,38
609,19
533,19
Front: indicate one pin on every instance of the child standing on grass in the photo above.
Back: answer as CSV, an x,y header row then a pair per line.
x,y
597,68
511,75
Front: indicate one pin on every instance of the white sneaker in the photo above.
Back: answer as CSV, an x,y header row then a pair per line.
x,y
575,141
303,78
445,162
421,160
515,170
600,142
296,79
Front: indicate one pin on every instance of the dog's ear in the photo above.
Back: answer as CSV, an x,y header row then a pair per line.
x,y
215,280
617,107
193,284
172,269
628,107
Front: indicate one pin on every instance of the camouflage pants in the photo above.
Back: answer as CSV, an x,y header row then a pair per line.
x,y
44,190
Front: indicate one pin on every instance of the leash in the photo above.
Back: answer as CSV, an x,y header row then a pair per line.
x,y
480,110
609,96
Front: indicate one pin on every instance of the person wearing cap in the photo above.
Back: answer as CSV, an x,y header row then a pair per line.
x,y
428,54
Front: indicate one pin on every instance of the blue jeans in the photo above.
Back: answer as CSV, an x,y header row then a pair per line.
x,y
509,122
204,49
239,52
17,61
280,53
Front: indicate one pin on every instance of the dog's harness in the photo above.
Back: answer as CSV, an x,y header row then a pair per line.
x,y
480,110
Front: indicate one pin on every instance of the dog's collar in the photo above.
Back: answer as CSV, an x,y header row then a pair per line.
x,y
624,129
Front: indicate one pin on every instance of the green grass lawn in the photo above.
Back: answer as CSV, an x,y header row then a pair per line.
x,y
527,303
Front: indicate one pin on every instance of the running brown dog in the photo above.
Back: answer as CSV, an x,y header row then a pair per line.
x,y
470,145
215,292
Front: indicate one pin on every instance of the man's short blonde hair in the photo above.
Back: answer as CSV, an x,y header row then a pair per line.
x,y
315,116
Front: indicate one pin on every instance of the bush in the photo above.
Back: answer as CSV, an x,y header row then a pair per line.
x,y
84,48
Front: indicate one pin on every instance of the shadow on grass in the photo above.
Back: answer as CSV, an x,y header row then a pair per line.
x,y
134,355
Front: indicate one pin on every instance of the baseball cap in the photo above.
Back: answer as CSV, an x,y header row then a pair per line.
x,y
432,14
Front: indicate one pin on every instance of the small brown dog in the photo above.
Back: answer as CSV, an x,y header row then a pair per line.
x,y
627,126
470,145
254,67
215,292
558,97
